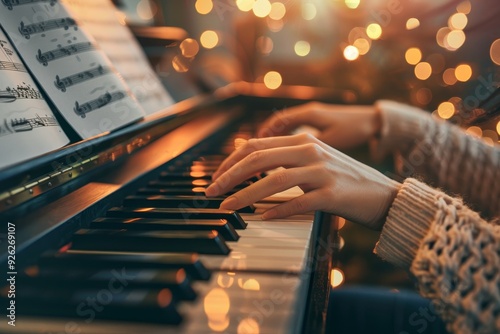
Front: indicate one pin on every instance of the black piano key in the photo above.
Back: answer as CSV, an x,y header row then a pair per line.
x,y
174,279
196,191
133,224
190,191
203,242
139,305
161,201
168,176
189,184
181,213
73,260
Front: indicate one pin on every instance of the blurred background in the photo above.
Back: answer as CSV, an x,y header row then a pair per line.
x,y
440,55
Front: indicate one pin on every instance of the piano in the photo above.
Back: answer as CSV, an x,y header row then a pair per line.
x,y
114,234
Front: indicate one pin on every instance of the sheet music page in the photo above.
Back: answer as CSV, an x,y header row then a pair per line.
x,y
107,25
28,127
67,63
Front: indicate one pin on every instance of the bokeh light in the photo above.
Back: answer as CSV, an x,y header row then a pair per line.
x,y
457,21
446,110
146,10
337,277
363,45
495,52
441,36
302,48
454,40
449,77
474,131
247,326
209,39
498,127
464,7
413,56
265,45
351,52
412,23
278,11
189,47
374,30
204,7
423,70
245,5
261,8
463,72
353,4
272,80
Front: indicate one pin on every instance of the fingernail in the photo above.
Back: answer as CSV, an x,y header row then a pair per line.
x,y
212,190
269,214
229,203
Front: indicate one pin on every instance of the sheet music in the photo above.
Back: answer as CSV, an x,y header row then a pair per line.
x,y
106,24
28,127
67,63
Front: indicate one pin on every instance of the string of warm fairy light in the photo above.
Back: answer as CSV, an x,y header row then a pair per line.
x,y
360,39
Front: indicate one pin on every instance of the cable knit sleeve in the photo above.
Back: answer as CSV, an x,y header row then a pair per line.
x,y
442,155
452,252
451,248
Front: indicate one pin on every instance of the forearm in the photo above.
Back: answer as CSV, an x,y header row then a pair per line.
x,y
441,154
452,252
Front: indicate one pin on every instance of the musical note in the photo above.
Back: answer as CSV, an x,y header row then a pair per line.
x,y
11,3
21,92
83,109
10,66
31,29
45,57
24,124
63,83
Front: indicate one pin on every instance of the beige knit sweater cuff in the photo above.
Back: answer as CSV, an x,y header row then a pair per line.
x,y
402,125
407,223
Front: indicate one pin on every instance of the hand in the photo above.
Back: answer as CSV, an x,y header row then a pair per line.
x,y
342,127
331,181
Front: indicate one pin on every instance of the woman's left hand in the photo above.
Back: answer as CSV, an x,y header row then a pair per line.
x,y
332,181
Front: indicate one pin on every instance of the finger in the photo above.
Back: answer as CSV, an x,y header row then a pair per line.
x,y
310,201
259,161
254,145
272,184
283,122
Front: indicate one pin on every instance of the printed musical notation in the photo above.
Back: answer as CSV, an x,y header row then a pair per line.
x,y
27,124
10,4
63,83
36,28
10,66
23,91
69,66
45,57
83,109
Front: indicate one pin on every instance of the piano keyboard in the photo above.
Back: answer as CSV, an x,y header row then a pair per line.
x,y
169,261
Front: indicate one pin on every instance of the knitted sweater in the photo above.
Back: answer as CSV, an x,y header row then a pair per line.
x,y
452,251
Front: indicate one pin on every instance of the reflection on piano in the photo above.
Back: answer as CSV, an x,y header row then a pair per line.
x,y
114,235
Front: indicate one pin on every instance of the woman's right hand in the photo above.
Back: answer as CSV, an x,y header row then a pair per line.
x,y
340,126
